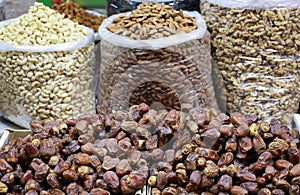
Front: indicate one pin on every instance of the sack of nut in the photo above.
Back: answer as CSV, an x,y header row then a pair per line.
x,y
256,46
158,56
46,67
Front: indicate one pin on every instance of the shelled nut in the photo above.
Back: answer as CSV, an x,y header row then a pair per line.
x,y
151,21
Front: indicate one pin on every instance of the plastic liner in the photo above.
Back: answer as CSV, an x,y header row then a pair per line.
x,y
256,46
47,82
166,73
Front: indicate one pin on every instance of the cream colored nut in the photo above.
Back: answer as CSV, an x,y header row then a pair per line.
x,y
67,100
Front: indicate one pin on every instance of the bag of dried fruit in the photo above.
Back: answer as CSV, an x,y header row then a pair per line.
x,y
46,67
256,45
155,55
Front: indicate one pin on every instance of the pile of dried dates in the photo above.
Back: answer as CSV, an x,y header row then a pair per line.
x,y
202,152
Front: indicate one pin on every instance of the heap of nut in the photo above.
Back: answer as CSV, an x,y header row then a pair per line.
x,y
151,21
258,53
45,85
210,153
76,13
41,26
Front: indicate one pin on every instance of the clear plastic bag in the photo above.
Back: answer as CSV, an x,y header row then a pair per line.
x,y
256,46
47,82
170,72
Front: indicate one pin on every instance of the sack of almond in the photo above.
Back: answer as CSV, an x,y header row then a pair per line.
x,y
47,68
155,55
256,46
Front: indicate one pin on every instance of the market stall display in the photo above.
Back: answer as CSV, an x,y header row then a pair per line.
x,y
157,128
256,47
47,67
146,58
78,14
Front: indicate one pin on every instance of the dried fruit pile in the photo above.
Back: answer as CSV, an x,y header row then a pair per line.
x,y
201,153
97,154
232,155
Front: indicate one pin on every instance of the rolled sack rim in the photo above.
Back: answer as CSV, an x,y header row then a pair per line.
x,y
158,43
4,47
257,4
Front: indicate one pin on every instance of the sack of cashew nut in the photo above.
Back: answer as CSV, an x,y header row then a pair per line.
x,y
46,67
145,58
256,46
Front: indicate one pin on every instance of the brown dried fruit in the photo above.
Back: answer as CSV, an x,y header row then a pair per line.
x,y
237,190
246,176
269,172
278,147
109,163
89,182
111,179
84,170
225,183
123,168
226,158
283,164
31,150
231,145
226,130
211,169
190,162
32,184
251,187
242,130
283,184
264,191
169,191
295,171
99,191
259,144
196,177
161,180
73,188
70,175
182,177
52,180
245,144
4,166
